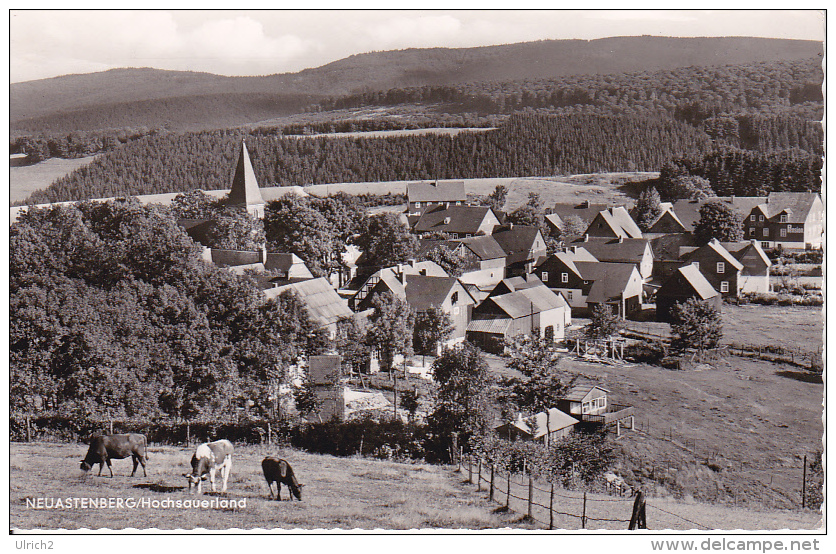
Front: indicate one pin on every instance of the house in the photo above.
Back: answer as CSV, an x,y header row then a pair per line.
x,y
786,219
666,222
754,277
621,250
483,259
541,426
362,285
324,304
456,221
519,312
523,245
666,254
559,273
511,284
584,399
425,194
718,266
686,282
614,223
423,291
286,268
616,285
586,211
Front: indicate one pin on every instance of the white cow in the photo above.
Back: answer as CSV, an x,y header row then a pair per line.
x,y
207,459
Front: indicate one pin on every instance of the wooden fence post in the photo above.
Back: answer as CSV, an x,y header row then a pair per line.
x,y
479,477
111,426
269,433
530,496
639,518
583,513
491,495
551,508
508,492
28,430
188,433
469,468
804,484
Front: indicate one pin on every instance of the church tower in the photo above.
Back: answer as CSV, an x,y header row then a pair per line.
x,y
244,192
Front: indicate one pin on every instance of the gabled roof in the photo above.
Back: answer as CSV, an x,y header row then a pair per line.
x,y
609,280
323,302
716,247
667,247
741,249
535,426
521,303
244,190
484,247
197,229
453,219
796,205
578,392
436,191
569,256
697,281
423,291
585,210
667,212
627,250
619,220
516,241
493,325
290,265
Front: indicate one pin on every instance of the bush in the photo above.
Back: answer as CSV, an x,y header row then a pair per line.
x,y
781,299
381,439
650,351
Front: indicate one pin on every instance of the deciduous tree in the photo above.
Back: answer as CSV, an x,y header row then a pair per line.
x,y
695,324
720,221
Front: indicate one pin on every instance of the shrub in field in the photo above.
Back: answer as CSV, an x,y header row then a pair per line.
x,y
651,351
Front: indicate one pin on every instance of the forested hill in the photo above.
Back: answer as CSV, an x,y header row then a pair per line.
x,y
183,100
525,145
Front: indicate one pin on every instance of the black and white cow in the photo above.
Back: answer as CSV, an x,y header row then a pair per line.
x,y
104,448
207,459
279,472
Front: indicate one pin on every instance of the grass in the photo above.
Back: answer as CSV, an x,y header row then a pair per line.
x,y
339,493
793,327
24,180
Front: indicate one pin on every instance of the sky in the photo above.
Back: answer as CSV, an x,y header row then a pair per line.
x,y
48,43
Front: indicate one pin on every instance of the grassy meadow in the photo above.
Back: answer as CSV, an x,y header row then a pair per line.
x,y
24,180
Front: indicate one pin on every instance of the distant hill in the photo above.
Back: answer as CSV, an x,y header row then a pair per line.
x,y
189,100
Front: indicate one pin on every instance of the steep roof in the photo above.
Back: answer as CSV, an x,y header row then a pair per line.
x,y
244,191
423,291
688,211
436,191
797,205
323,302
697,281
585,210
484,247
289,264
516,241
667,247
535,426
578,392
609,280
521,303
453,219
627,250
741,249
619,220
715,246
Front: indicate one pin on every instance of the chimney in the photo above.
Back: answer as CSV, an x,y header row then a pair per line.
x,y
574,249
620,239
585,204
586,237
732,199
447,221
412,262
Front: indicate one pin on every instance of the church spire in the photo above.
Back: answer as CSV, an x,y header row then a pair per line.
x,y
244,192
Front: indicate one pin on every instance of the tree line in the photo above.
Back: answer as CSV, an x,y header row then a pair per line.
x,y
526,144
78,144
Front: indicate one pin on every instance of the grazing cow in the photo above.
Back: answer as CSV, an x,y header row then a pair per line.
x,y
207,459
103,448
279,471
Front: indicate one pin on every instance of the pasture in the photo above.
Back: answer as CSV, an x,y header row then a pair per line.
x,y
24,180
339,493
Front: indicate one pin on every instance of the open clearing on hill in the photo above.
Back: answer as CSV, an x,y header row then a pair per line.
x,y
339,493
24,180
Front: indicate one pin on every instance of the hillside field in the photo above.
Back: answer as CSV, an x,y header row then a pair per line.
x,y
339,493
24,180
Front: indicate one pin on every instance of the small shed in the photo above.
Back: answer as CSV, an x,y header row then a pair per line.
x,y
585,399
540,426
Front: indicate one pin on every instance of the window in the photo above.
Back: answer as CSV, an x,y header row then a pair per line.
x,y
783,232
455,297
564,277
766,231
760,218
568,295
783,218
456,310
544,276
724,286
417,204
764,244
721,267
469,235
752,217
458,202
751,231
454,235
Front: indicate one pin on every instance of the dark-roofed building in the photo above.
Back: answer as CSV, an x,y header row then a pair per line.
x,y
511,284
321,299
197,229
584,399
616,285
519,312
717,265
754,277
456,221
523,245
362,285
559,273
635,251
287,268
586,211
426,194
686,282
422,291
614,223
666,222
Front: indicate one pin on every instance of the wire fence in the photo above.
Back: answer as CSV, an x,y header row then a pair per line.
x,y
552,508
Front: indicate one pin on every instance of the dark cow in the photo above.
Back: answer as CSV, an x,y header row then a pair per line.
x,y
207,459
279,471
104,448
